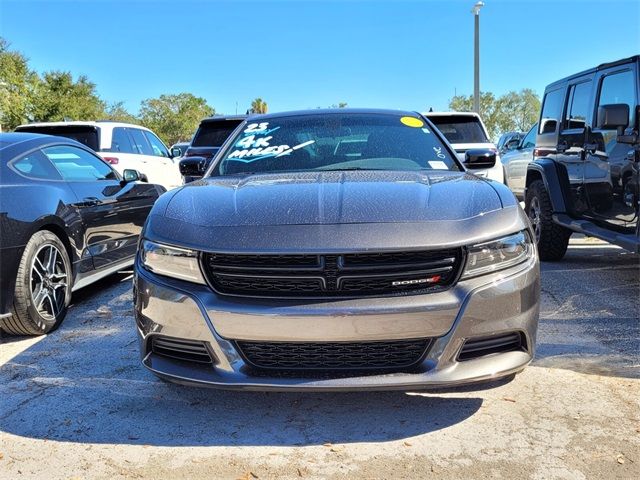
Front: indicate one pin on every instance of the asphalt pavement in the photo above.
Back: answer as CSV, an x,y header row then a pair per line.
x,y
77,403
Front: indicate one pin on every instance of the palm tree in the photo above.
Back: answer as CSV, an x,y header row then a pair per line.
x,y
259,106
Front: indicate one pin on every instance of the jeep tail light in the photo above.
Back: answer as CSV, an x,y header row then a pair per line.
x,y
111,160
542,152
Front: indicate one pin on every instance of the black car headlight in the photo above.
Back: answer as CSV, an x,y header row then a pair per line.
x,y
498,254
180,263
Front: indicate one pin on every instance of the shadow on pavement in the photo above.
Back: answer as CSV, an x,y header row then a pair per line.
x,y
84,382
590,312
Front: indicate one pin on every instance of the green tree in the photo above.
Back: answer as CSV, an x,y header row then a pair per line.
x,y
174,117
59,97
118,113
259,106
518,110
488,110
18,85
512,111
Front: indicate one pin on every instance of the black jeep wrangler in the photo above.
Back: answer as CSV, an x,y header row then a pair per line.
x,y
584,177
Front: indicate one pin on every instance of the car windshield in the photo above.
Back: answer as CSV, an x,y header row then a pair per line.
x,y
87,135
214,133
333,142
460,128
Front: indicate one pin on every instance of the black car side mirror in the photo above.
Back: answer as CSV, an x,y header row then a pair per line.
x,y
130,175
548,125
477,158
176,152
613,117
193,166
616,117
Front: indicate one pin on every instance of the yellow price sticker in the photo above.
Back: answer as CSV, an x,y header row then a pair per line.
x,y
412,122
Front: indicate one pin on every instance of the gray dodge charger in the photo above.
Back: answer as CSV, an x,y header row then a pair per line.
x,y
340,249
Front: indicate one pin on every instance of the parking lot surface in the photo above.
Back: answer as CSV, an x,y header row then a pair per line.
x,y
78,404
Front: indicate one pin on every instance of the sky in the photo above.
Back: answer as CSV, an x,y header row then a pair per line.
x,y
305,54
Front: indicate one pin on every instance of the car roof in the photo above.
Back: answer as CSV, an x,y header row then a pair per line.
x,y
223,118
11,138
14,143
450,114
602,66
332,111
82,123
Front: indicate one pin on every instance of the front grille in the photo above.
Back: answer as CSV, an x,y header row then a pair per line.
x,y
295,356
479,347
189,350
351,275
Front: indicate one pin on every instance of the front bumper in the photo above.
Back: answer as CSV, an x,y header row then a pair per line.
x,y
502,302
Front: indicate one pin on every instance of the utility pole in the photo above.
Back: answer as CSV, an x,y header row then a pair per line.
x,y
476,55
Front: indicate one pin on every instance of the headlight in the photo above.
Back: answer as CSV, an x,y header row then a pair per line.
x,y
498,254
173,262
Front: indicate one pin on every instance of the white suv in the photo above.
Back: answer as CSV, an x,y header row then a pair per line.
x,y
464,131
123,145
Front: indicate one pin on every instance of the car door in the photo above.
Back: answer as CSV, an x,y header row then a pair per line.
x,y
153,159
572,136
119,151
112,212
170,168
517,166
611,174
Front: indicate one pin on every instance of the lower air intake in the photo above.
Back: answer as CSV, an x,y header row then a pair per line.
x,y
479,347
331,356
188,350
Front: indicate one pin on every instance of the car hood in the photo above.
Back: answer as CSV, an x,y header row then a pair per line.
x,y
323,198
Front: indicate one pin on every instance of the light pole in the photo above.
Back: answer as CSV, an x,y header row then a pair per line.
x,y
476,55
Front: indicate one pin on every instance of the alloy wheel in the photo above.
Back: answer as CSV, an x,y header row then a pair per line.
x,y
535,217
48,282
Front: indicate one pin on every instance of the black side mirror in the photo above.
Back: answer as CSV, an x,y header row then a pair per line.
x,y
548,125
478,158
616,117
193,166
176,152
130,175
613,117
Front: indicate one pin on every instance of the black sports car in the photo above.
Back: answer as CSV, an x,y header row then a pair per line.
x,y
67,219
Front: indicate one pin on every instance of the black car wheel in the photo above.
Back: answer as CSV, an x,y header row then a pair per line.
x,y
551,238
43,287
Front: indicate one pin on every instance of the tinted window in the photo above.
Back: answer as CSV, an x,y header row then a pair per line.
x,y
619,88
335,142
159,150
551,108
87,135
36,165
214,134
577,106
460,129
120,141
140,143
530,140
75,164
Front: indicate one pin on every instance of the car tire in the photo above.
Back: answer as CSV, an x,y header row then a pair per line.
x,y
551,238
43,287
